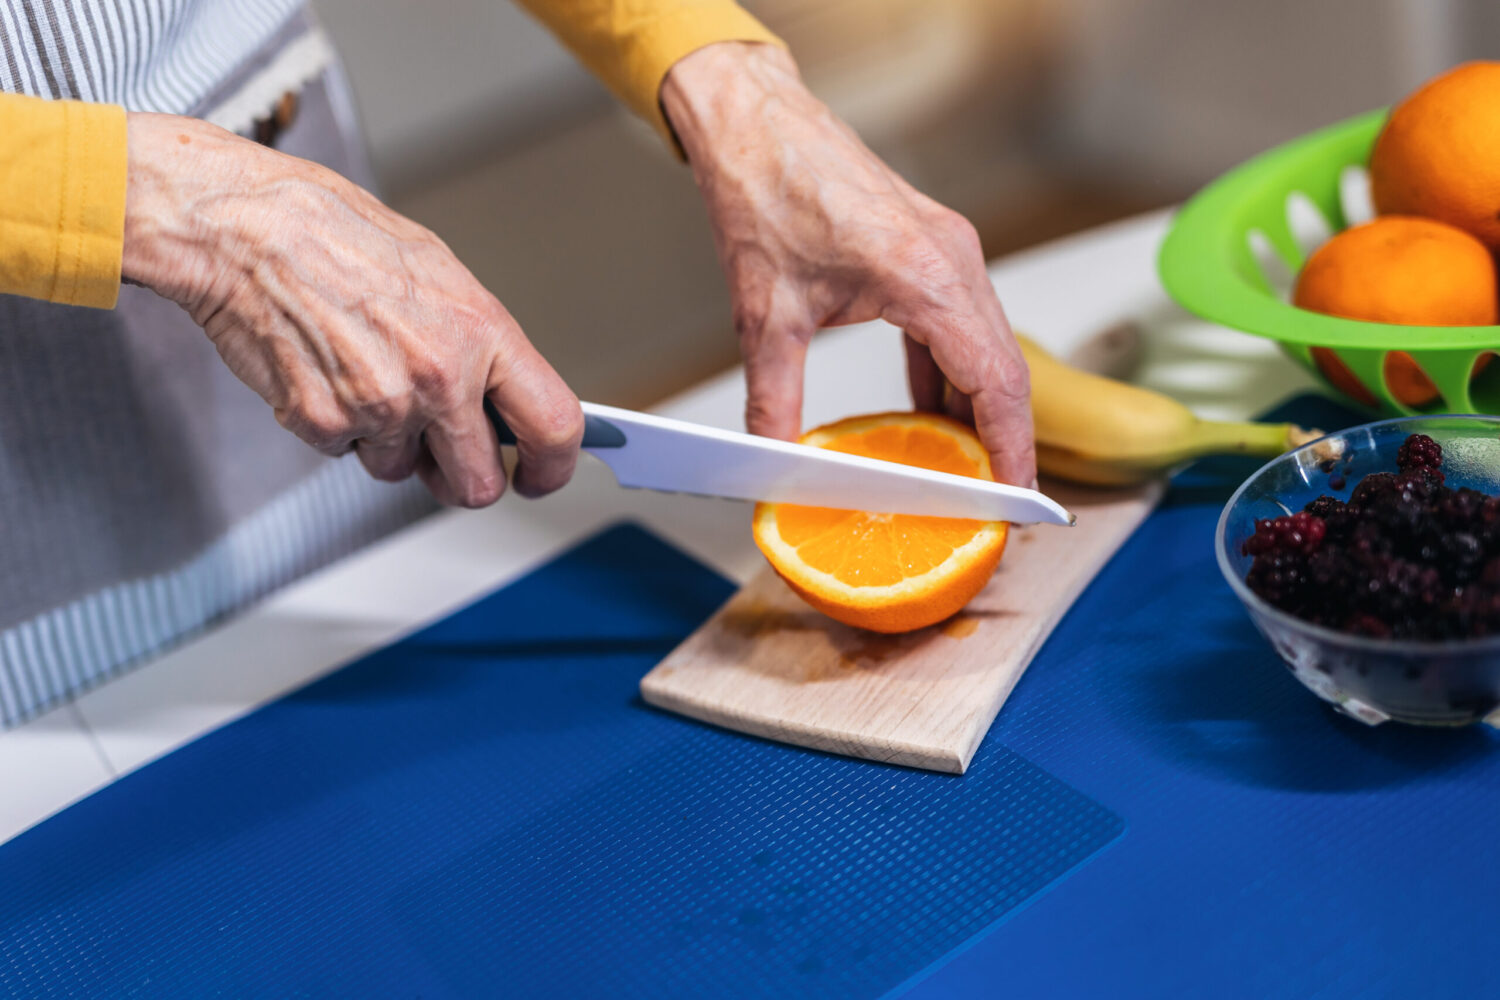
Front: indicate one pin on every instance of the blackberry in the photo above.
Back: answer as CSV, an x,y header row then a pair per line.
x,y
1324,506
1400,516
1367,538
1301,532
1371,488
1338,526
1334,577
1488,525
1421,483
1402,594
1279,578
1405,557
1420,452
1460,557
1461,509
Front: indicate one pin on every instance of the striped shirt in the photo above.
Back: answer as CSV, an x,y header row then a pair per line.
x,y
69,649
128,524
147,55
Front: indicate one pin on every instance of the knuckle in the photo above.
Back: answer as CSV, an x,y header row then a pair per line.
x,y
962,231
761,414
319,422
922,260
757,413
385,407
429,376
451,394
750,319
436,385
1012,379
376,414
753,306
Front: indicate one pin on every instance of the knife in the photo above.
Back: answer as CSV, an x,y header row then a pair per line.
x,y
674,456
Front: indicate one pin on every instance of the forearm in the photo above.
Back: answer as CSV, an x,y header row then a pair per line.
x,y
630,45
62,199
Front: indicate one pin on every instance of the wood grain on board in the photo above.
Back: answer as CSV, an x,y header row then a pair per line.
x,y
769,665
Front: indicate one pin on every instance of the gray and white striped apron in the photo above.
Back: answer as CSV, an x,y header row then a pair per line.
x,y
144,491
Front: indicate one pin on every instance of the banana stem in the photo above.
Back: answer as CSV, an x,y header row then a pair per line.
x,y
1217,437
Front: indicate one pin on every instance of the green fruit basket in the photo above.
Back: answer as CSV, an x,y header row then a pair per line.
x,y
1209,263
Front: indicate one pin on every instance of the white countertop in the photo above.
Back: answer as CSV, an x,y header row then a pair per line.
x,y
1059,293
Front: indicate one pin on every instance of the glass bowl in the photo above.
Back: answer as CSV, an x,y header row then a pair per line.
x,y
1434,683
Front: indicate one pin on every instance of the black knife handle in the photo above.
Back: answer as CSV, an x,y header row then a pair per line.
x,y
597,432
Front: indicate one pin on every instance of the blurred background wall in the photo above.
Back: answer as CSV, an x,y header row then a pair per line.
x,y
1035,118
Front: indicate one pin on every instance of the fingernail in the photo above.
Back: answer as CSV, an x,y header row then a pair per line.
x,y
1034,484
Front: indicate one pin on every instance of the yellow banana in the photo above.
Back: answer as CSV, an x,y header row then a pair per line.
x,y
1096,430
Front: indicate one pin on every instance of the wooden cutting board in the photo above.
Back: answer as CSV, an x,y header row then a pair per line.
x,y
769,665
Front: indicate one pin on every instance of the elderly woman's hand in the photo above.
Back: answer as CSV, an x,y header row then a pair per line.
x,y
358,326
814,230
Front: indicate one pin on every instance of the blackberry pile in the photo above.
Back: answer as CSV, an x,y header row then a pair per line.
x,y
1406,557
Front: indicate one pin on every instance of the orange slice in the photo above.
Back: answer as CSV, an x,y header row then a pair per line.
x,y
886,572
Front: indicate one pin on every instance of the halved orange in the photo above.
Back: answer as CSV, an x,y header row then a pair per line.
x,y
886,572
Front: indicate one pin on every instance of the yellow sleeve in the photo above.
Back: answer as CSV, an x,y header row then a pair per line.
x,y
630,44
62,199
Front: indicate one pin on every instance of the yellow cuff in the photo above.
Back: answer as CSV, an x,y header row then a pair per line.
x,y
62,200
631,44
652,48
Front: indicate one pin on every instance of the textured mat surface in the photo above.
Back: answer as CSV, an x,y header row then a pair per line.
x,y
1275,848
487,810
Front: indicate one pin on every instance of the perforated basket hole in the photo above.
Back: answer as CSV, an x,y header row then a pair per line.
x,y
1354,195
1484,384
1306,222
1280,277
1409,385
1339,375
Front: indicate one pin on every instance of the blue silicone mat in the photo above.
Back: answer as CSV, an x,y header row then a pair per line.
x,y
1275,848
487,810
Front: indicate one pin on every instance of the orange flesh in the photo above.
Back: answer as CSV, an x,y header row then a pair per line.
x,y
873,550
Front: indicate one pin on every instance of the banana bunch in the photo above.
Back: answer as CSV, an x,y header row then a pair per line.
x,y
1096,430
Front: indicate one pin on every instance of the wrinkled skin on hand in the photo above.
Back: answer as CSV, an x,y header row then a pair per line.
x,y
814,230
358,326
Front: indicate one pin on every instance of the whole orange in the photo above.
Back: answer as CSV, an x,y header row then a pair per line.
x,y
1404,270
1439,153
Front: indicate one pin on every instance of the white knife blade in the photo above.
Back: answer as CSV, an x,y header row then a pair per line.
x,y
674,456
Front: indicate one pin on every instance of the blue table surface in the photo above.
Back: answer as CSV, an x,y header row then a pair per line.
x,y
487,809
